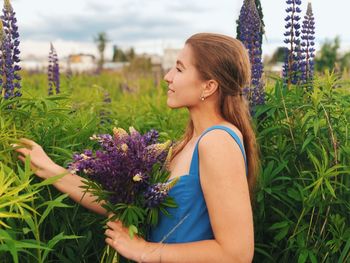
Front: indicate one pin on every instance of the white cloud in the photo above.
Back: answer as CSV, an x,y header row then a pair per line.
x,y
153,24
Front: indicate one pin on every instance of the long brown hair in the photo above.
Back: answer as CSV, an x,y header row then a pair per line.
x,y
226,60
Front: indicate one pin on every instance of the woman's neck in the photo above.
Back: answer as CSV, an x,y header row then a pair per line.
x,y
199,126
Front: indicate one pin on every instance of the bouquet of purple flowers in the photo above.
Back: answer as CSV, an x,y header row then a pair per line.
x,y
129,175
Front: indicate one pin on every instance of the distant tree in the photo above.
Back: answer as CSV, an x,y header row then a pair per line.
x,y
278,55
140,64
130,54
345,61
118,54
101,42
115,53
327,56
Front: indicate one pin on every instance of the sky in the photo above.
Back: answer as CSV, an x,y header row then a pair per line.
x,y
152,25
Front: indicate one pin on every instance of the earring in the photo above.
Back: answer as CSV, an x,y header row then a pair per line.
x,y
202,98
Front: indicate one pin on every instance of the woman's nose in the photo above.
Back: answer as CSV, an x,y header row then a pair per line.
x,y
168,76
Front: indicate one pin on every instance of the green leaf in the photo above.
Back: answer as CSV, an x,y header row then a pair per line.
x,y
153,216
303,256
306,142
25,230
50,180
51,205
330,188
345,252
132,231
30,223
294,194
169,202
62,151
10,243
281,234
312,257
316,126
52,243
279,225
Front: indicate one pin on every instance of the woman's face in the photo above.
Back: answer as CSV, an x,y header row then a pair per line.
x,y
184,84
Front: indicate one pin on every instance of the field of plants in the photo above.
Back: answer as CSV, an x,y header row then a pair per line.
x,y
302,202
302,123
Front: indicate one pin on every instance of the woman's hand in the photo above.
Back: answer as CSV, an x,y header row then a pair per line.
x,y
40,163
118,238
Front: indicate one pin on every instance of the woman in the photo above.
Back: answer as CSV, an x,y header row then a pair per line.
x,y
213,222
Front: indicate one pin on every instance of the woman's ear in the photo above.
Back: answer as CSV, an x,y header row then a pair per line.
x,y
210,87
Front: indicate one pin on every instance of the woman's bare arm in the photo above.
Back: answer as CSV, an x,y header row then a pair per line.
x,y
45,168
71,184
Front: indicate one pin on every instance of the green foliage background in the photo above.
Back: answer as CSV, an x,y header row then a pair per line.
x,y
302,201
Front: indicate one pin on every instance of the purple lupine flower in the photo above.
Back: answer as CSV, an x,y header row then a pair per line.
x,y
307,45
156,194
53,72
10,85
151,137
105,112
251,29
107,97
291,68
2,38
124,163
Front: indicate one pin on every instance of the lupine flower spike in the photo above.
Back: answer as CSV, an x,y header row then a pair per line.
x,y
105,112
291,68
2,38
250,33
10,78
307,46
53,72
156,193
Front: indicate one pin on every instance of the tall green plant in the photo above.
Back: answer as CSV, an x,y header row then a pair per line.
x,y
20,219
303,198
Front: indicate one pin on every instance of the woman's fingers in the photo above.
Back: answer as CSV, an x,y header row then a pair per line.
x,y
23,159
109,241
22,145
112,234
28,142
23,151
115,225
25,143
113,237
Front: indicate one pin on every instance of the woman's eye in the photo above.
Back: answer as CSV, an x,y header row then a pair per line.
x,y
179,70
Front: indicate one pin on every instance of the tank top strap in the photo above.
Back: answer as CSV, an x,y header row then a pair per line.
x,y
194,168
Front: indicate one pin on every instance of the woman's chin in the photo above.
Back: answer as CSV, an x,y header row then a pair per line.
x,y
172,105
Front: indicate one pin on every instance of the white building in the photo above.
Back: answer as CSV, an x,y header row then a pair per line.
x,y
78,63
169,58
115,66
34,64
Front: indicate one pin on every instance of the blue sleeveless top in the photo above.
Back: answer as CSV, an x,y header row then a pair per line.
x,y
189,221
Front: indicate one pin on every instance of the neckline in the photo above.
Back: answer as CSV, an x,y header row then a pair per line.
x,y
179,177
193,153
196,145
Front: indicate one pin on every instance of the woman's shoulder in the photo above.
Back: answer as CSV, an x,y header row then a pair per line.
x,y
218,151
219,141
217,134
